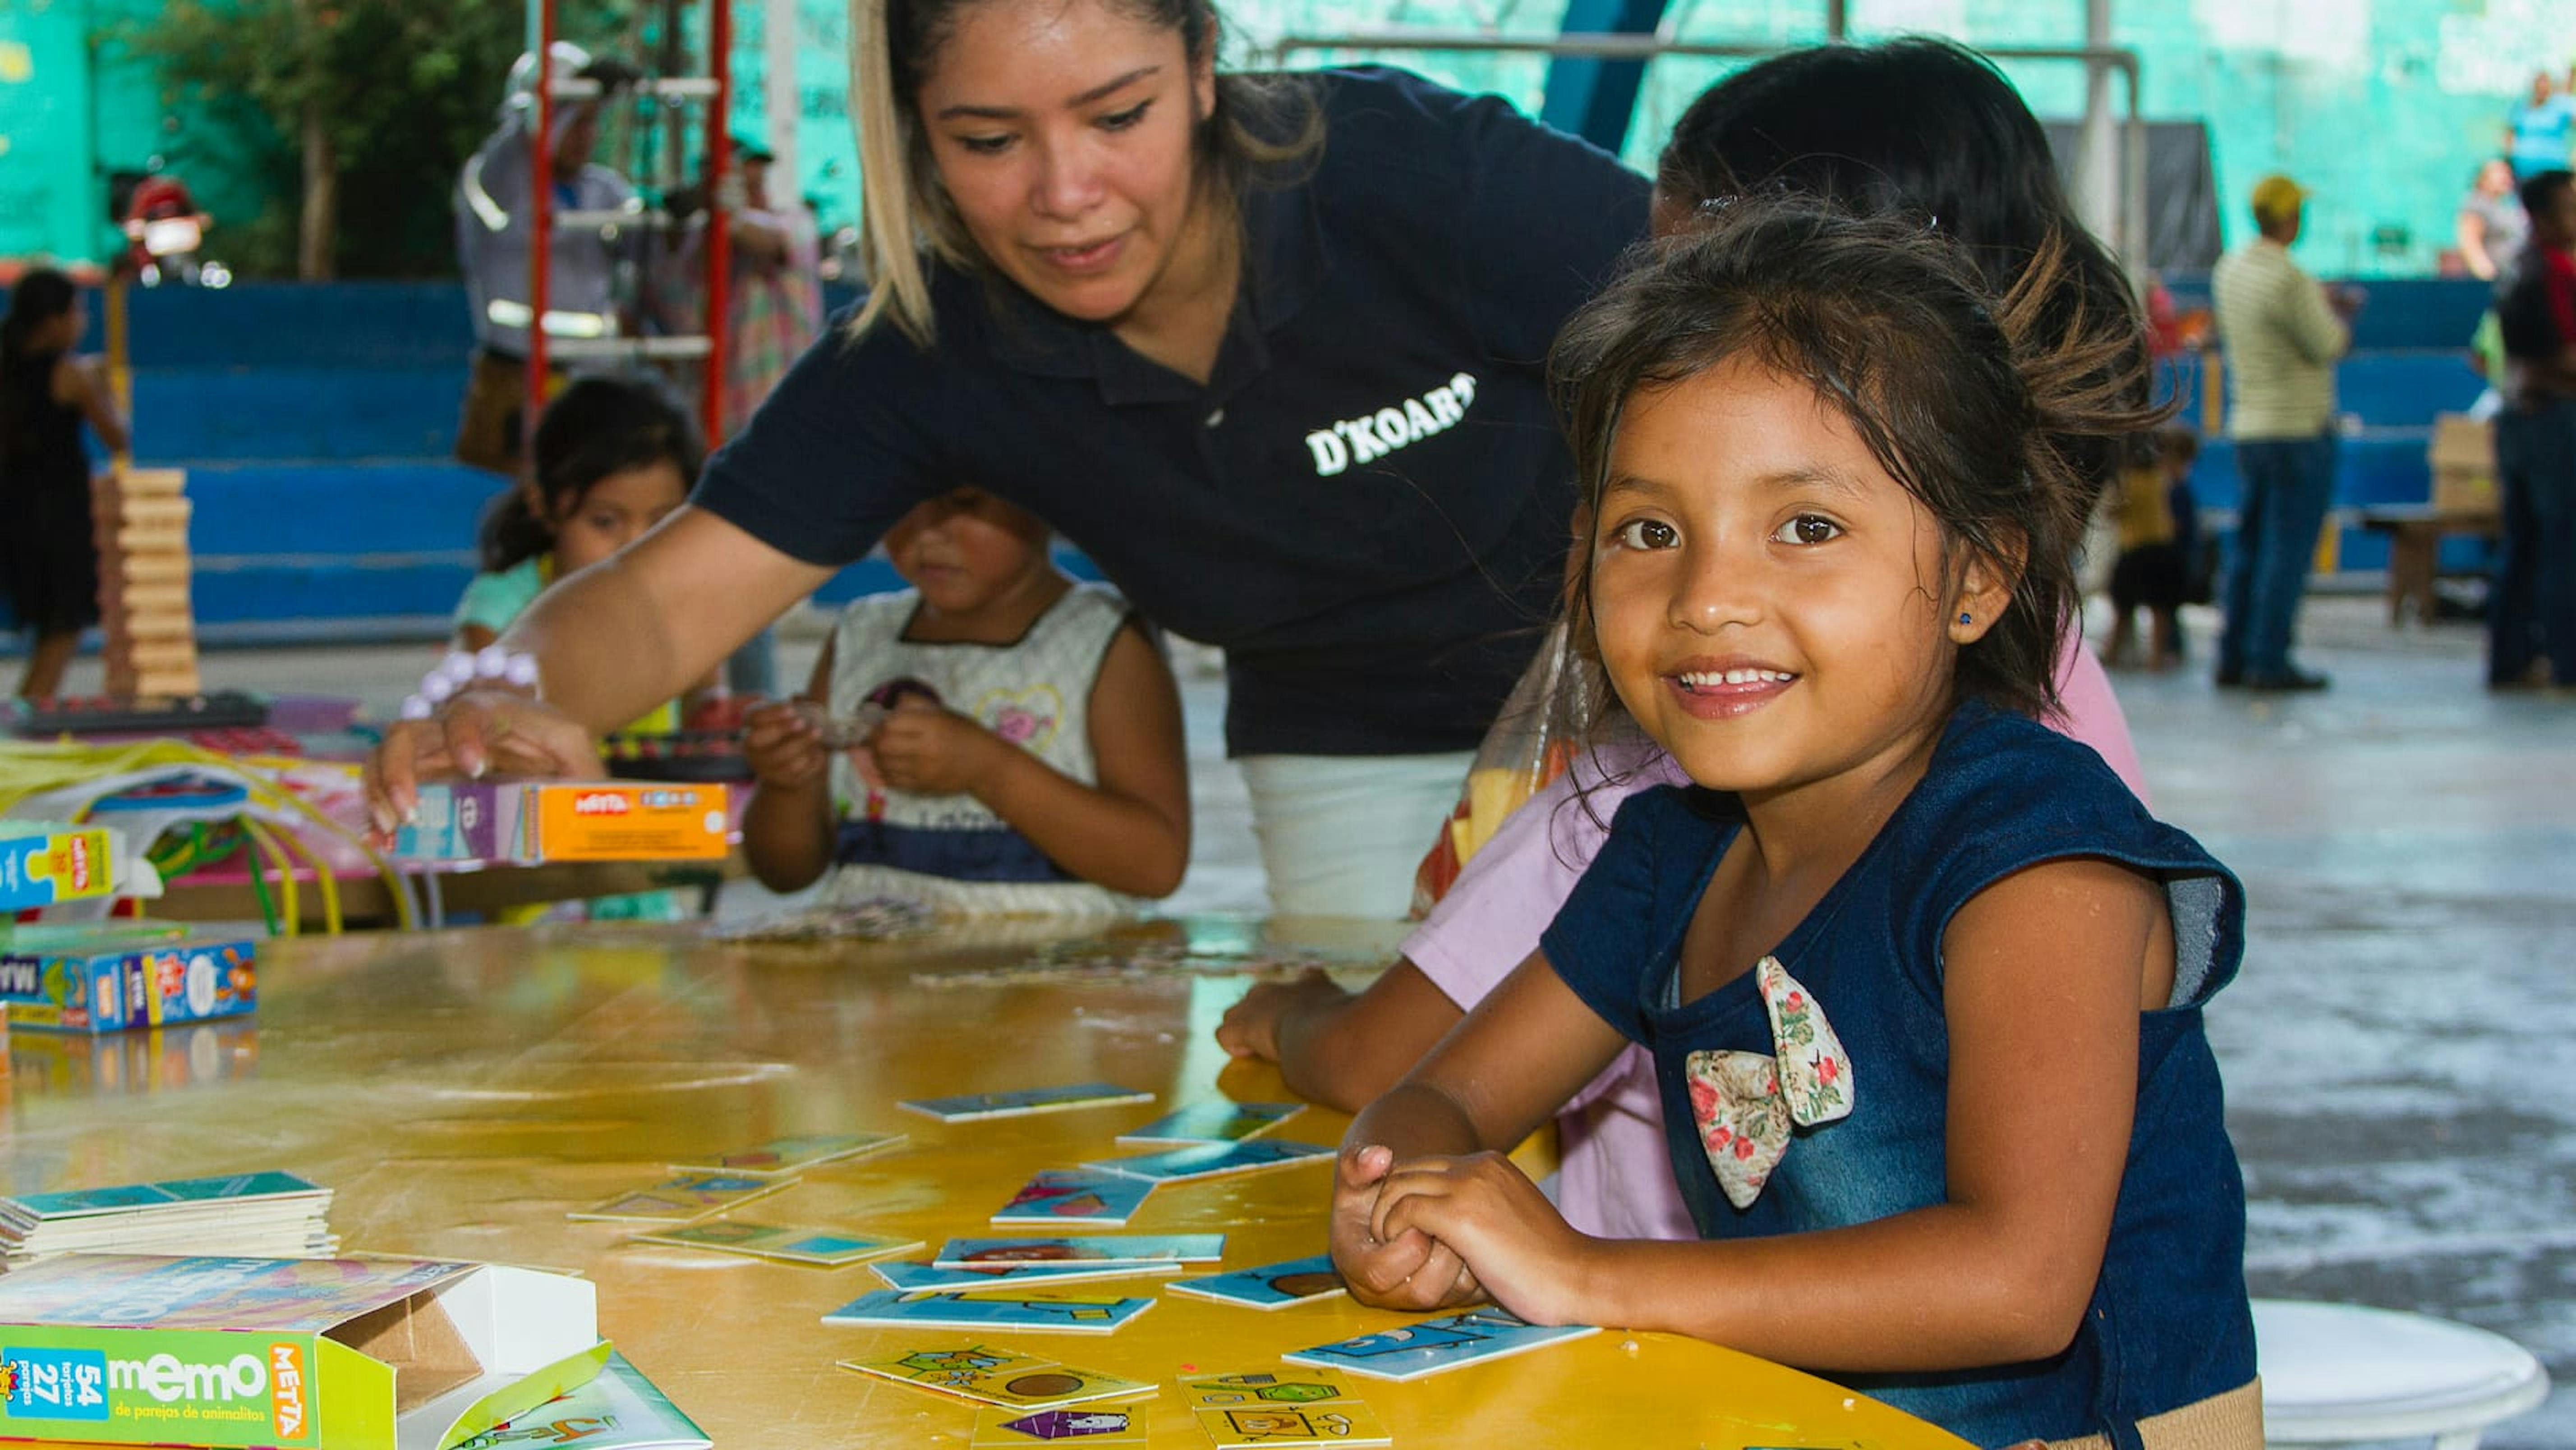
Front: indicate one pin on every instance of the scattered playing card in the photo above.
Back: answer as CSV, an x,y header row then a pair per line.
x,y
1065,1313
1209,1160
1433,1345
1087,1424
1084,1196
1306,1407
999,1376
971,1106
793,1243
920,1276
1270,1286
1094,1249
684,1199
787,1155
1212,1123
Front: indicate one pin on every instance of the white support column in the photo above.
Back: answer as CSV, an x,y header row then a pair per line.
x,y
2098,179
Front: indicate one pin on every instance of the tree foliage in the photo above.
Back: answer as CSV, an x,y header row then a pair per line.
x,y
365,107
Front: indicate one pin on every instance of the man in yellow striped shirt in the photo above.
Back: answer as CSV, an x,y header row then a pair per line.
x,y
2282,333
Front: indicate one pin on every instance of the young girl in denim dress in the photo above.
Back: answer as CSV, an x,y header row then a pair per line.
x,y
1921,978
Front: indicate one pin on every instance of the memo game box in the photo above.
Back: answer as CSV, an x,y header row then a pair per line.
x,y
330,1354
71,979
524,823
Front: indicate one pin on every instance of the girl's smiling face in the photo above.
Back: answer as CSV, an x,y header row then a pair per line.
x,y
1770,605
1062,131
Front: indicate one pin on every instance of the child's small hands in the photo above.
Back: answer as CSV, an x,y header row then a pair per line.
x,y
928,750
1409,1270
1488,1212
1251,1026
782,747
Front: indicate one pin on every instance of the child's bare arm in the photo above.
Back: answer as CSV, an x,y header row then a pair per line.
x,y
2042,990
1130,832
1530,1045
787,829
1339,1048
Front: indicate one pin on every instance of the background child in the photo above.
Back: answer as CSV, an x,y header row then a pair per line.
x,y
2159,521
610,458
1032,763
1921,978
1920,127
47,557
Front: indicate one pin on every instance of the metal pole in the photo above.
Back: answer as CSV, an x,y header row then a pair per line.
x,y
1837,20
541,218
719,223
779,98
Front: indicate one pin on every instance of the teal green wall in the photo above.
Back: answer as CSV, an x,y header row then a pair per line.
x,y
2381,106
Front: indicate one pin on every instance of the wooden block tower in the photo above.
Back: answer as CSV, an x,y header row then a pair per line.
x,y
142,525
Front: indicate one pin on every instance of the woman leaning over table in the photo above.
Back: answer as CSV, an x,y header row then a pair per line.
x,y
1267,348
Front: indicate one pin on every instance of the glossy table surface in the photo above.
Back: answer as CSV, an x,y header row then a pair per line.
x,y
463,1090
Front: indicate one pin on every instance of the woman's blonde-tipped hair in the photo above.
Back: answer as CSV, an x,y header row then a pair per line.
x,y
1262,125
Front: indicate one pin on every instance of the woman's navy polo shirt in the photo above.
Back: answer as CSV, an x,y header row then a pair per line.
x,y
1367,505
2168,1324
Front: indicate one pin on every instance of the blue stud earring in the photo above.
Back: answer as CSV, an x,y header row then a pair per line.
x,y
1966,618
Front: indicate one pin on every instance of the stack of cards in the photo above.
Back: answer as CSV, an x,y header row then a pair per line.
x,y
1270,1286
1432,1345
249,1215
1005,1377
1069,1311
683,1198
793,1155
1301,1408
972,1107
823,1248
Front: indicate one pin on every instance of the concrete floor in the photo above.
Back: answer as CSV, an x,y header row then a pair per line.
x,y
2400,1045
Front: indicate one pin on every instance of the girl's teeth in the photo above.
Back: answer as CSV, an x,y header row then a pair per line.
x,y
1737,677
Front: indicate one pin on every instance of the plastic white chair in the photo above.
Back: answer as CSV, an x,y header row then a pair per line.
x,y
2341,1374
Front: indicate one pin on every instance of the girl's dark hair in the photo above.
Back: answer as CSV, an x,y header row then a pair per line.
x,y
1966,401
1931,130
42,294
593,428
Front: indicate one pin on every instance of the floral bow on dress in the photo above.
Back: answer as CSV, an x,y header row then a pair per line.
x,y
1746,1103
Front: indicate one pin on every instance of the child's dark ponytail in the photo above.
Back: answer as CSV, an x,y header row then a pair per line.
x,y
42,294
593,428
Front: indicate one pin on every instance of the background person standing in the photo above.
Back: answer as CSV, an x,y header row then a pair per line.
x,y
2531,616
2282,333
493,202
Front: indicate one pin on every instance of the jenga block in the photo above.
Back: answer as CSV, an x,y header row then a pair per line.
x,y
164,511
138,598
150,657
152,482
153,538
168,682
155,569
160,628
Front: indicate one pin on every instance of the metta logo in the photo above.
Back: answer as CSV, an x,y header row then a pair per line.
x,y
600,803
286,1390
1406,421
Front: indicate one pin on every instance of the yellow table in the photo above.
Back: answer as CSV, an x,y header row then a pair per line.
x,y
463,1090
